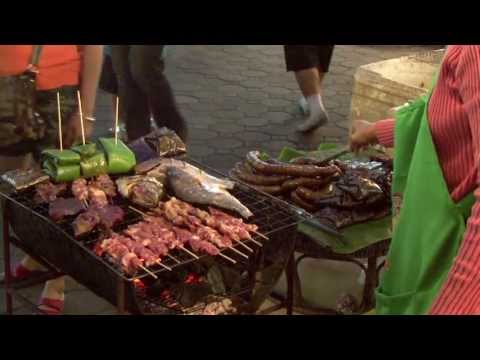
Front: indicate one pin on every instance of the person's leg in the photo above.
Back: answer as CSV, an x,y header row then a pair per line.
x,y
53,296
148,71
308,62
8,163
133,101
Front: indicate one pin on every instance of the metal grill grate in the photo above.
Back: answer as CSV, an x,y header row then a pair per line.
x,y
272,217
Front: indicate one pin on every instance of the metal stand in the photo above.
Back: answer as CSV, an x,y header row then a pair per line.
x,y
13,287
294,300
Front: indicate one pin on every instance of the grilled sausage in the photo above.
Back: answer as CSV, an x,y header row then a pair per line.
x,y
316,196
265,180
289,169
302,203
272,190
306,182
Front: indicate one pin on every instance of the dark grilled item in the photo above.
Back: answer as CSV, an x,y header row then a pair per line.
x,y
106,217
106,184
264,167
245,174
145,191
61,208
23,179
343,218
48,192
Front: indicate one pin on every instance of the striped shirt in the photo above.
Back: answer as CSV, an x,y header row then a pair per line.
x,y
454,118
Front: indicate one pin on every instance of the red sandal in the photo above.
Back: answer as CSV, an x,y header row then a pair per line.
x,y
51,306
20,272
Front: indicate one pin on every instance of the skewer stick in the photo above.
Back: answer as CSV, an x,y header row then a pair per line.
x,y
245,246
238,252
85,203
261,235
228,258
164,266
116,121
148,271
59,122
174,258
256,242
81,115
189,252
138,211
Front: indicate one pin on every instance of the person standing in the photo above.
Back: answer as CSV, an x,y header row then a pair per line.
x,y
62,69
145,91
433,263
310,64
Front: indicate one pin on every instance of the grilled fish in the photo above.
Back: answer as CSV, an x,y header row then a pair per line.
x,y
158,169
197,191
141,190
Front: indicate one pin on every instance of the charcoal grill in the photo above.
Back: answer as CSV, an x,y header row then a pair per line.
x,y
54,244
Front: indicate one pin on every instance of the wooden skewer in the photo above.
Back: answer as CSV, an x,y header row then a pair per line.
x,y
163,265
238,252
116,121
189,252
81,115
174,259
228,258
245,246
148,272
138,211
256,242
59,122
85,203
261,235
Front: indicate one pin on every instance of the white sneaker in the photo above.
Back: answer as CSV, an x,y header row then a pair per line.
x,y
303,104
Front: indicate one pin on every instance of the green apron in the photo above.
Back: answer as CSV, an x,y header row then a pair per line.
x,y
428,227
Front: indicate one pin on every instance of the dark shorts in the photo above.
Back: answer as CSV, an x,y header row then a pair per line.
x,y
108,79
302,57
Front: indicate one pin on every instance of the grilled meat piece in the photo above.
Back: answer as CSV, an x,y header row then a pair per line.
x,y
85,222
97,197
80,189
47,192
106,216
106,184
61,208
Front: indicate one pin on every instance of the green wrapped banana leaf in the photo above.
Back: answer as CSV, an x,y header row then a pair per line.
x,y
85,151
61,173
61,157
94,165
61,165
355,237
120,159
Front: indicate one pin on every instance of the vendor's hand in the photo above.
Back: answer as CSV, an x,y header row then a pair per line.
x,y
362,135
73,130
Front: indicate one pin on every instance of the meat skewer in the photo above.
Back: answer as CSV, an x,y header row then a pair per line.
x,y
208,220
185,236
180,246
80,190
175,207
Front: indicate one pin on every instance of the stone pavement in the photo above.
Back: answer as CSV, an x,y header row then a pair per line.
x,y
238,98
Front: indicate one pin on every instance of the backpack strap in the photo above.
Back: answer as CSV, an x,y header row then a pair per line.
x,y
37,50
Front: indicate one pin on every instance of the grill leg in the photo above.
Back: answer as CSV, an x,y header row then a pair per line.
x,y
290,283
371,282
121,297
7,261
